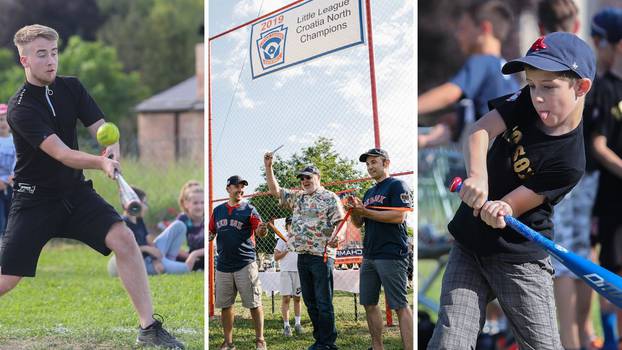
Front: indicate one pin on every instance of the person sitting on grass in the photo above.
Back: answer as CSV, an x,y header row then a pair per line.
x,y
191,203
159,254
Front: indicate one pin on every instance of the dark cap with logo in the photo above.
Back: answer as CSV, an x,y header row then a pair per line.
x,y
235,179
374,152
557,52
308,171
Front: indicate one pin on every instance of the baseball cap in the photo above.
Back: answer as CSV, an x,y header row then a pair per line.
x,y
308,170
3,108
375,152
235,179
607,24
288,220
557,52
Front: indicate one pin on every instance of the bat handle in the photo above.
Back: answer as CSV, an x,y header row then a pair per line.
x,y
456,184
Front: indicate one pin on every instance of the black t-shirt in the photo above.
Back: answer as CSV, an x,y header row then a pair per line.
x,y
33,118
608,96
522,155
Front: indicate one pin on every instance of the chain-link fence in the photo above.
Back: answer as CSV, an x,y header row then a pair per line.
x,y
320,111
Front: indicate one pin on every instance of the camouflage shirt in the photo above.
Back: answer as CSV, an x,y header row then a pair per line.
x,y
315,217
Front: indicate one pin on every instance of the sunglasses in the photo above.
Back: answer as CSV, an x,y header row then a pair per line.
x,y
304,177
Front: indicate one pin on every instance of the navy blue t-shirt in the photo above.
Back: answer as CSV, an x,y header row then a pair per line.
x,y
383,240
481,80
235,240
139,230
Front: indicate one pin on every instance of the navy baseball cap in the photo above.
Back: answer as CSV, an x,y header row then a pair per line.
x,y
557,52
308,171
607,24
235,179
374,152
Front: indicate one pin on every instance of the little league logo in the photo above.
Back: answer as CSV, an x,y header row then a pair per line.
x,y
271,46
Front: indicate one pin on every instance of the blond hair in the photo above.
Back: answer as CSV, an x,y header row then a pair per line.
x,y
30,33
189,188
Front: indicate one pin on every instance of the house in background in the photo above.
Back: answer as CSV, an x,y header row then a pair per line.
x,y
170,124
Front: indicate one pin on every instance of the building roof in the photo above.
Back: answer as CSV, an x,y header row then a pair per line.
x,y
179,98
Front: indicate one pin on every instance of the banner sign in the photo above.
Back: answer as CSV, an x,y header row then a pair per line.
x,y
311,29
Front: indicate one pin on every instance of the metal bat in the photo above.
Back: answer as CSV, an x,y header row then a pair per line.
x,y
605,282
129,199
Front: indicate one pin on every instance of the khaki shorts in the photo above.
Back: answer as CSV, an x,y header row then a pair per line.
x,y
246,281
290,283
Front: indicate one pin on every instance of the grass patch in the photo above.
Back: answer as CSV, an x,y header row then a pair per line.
x,y
353,335
74,304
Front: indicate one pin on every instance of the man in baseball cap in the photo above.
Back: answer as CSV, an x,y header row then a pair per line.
x,y
316,214
234,224
385,247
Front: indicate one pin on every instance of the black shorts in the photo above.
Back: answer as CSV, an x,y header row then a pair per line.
x,y
610,238
35,218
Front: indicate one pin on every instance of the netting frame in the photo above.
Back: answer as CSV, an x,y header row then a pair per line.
x,y
376,126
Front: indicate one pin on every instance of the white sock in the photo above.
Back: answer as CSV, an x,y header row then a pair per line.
x,y
285,323
297,318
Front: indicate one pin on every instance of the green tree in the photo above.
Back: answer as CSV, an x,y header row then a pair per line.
x,y
155,37
99,69
11,75
333,168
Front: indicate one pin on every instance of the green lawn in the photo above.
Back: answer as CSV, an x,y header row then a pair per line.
x,y
74,304
353,335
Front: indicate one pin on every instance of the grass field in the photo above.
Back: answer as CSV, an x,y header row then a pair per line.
x,y
353,335
74,304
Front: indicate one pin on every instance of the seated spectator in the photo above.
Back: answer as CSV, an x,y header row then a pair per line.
x,y
191,203
159,255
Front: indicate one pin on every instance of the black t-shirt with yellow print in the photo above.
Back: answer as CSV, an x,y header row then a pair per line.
x,y
522,155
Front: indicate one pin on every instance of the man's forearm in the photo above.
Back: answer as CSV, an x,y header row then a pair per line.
x,y
273,184
80,160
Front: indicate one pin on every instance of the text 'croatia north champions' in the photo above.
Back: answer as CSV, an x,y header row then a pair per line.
x,y
324,22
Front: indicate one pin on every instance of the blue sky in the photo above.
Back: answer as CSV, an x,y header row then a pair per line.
x,y
329,96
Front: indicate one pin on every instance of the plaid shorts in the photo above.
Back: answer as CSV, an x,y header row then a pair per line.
x,y
524,291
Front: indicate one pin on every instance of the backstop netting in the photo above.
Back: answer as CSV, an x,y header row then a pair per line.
x,y
320,111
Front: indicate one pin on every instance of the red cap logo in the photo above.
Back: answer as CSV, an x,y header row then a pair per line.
x,y
538,45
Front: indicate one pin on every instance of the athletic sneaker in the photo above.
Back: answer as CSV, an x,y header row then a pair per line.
x,y
298,329
287,331
226,346
155,335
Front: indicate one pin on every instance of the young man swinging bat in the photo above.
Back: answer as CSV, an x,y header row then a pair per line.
x,y
52,198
